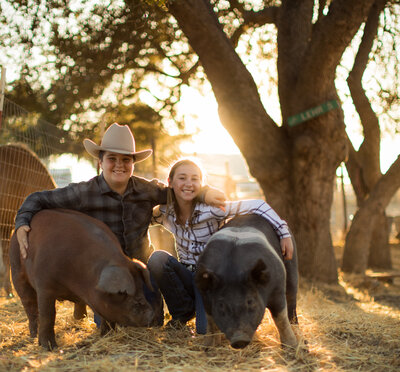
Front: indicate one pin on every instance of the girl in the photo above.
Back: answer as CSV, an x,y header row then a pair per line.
x,y
192,224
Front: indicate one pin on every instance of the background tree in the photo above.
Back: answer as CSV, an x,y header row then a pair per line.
x,y
121,49
367,241
85,63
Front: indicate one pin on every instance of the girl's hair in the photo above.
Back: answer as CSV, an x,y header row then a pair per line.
x,y
180,162
171,200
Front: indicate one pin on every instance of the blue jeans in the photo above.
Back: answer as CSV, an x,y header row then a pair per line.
x,y
176,284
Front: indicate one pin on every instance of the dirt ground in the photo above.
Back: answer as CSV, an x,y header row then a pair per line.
x,y
353,326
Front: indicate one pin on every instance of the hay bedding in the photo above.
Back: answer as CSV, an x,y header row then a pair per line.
x,y
345,328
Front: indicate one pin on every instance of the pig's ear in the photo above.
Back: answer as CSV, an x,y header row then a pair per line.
x,y
206,279
144,272
114,279
259,272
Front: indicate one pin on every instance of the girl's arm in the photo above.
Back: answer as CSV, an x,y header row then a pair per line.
x,y
261,208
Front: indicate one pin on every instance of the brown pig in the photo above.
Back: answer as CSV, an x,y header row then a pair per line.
x,y
72,256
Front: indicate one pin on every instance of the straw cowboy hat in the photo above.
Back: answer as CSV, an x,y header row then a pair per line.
x,y
119,139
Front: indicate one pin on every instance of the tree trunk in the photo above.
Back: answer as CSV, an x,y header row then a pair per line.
x,y
355,256
379,252
313,193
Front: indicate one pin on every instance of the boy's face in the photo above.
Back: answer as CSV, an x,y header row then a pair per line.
x,y
117,169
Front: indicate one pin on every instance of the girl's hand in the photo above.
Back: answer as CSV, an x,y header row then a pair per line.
x,y
287,248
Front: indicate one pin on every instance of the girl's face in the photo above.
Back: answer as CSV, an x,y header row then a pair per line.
x,y
117,169
186,182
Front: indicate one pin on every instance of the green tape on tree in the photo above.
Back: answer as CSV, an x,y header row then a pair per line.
x,y
312,113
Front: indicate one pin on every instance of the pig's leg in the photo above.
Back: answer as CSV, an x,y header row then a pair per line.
x,y
47,317
291,287
285,330
5,245
106,326
79,310
213,335
29,301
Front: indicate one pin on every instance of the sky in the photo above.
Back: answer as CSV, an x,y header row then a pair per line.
x,y
201,113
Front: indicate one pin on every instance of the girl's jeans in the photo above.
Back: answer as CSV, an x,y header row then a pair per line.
x,y
176,284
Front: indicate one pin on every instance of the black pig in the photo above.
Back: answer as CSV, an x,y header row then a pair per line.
x,y
240,273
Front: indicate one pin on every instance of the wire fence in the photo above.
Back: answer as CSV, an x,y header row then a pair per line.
x,y
26,143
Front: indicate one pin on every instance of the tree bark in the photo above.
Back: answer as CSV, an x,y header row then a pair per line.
x,y
379,252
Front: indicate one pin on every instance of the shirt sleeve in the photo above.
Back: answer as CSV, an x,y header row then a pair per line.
x,y
260,208
153,190
65,197
158,216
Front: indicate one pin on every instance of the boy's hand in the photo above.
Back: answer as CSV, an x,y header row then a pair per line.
x,y
215,197
22,237
287,248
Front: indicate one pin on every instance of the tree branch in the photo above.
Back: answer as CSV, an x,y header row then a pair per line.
x,y
321,7
253,19
331,36
369,156
355,171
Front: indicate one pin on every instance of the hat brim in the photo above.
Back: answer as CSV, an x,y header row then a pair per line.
x,y
94,149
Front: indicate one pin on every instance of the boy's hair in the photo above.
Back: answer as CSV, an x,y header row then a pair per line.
x,y
102,152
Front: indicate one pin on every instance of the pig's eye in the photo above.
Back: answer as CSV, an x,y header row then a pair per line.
x,y
221,309
250,305
121,296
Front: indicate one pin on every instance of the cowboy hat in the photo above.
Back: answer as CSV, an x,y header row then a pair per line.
x,y
119,139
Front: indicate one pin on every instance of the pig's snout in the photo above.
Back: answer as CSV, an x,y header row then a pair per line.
x,y
240,344
240,340
144,318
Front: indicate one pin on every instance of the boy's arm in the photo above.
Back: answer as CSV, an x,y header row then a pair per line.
x,y
159,191
212,196
58,198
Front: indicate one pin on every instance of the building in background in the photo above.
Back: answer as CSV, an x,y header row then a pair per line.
x,y
62,177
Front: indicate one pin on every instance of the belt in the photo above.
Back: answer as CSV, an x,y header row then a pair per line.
x,y
190,267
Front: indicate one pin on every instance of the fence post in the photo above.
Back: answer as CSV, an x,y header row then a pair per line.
x,y
2,86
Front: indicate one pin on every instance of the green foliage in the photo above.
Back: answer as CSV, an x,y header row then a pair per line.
x,y
95,57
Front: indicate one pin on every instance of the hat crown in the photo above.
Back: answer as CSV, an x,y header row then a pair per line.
x,y
118,138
